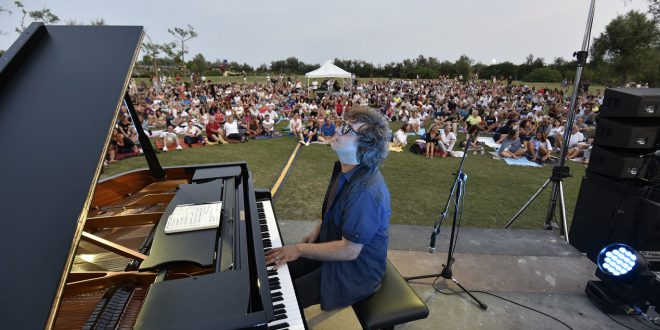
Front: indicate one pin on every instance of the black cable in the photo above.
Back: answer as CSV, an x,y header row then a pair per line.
x,y
505,299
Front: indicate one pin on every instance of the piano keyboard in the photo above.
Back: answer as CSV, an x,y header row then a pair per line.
x,y
285,304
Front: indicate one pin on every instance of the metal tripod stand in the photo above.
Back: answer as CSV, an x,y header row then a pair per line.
x,y
561,171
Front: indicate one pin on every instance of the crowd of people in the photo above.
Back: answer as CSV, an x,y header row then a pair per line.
x,y
526,121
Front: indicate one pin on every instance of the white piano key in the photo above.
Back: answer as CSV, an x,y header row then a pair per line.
x,y
292,310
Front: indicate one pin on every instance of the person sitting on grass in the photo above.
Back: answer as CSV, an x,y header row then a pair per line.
x,y
126,128
310,134
511,146
582,149
490,123
446,140
296,126
192,134
472,120
539,148
327,131
170,137
431,139
503,131
401,136
415,122
214,132
231,130
268,125
475,145
252,125
120,144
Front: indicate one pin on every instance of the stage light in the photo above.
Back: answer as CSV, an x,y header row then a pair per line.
x,y
625,279
620,261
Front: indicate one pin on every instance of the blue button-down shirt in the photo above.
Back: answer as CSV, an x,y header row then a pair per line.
x,y
360,213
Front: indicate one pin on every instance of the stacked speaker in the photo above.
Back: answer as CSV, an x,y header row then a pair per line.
x,y
619,200
628,128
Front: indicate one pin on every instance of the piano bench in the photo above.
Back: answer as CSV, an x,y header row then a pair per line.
x,y
395,303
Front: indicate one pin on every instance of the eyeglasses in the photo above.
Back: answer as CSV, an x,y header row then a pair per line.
x,y
346,128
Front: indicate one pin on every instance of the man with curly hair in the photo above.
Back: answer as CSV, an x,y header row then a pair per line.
x,y
342,260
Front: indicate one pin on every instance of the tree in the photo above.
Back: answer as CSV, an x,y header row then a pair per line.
x,y
463,66
629,44
2,52
153,50
97,22
182,35
198,64
654,9
43,15
545,74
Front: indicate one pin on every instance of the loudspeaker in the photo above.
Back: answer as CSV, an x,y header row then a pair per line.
x,y
617,163
609,211
629,134
631,103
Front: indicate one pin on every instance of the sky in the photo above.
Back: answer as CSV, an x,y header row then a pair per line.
x,y
379,32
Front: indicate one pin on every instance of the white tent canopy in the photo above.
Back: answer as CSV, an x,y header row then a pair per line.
x,y
328,70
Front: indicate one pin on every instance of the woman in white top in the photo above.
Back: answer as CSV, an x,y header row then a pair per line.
x,y
401,136
556,133
415,122
447,140
295,126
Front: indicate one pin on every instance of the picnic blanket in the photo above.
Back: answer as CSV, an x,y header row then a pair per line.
x,y
261,137
487,140
393,148
457,154
522,161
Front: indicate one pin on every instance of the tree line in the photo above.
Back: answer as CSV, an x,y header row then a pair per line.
x,y
628,50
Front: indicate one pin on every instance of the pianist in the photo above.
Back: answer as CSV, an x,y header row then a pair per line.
x,y
343,259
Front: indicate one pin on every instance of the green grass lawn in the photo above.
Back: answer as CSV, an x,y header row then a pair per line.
x,y
418,186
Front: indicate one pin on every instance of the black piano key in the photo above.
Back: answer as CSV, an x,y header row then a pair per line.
x,y
274,287
278,306
279,311
276,299
276,294
279,326
272,272
273,280
280,317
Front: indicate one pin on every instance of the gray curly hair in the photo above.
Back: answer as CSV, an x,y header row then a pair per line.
x,y
372,142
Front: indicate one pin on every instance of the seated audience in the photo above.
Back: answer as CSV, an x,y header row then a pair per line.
x,y
170,137
192,134
213,131
327,130
401,136
511,146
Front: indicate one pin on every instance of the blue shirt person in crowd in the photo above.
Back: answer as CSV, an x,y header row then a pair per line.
x,y
327,131
342,260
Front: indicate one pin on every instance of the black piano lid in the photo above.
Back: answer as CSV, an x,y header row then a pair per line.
x,y
57,109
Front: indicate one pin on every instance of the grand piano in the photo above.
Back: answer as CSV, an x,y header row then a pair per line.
x,y
81,253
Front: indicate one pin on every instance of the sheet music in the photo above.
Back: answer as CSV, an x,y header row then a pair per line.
x,y
188,217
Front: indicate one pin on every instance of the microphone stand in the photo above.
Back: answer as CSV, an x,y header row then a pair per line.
x,y
458,194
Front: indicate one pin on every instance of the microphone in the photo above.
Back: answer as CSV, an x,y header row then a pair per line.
x,y
432,246
651,154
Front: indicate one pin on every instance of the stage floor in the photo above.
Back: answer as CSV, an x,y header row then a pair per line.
x,y
536,268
